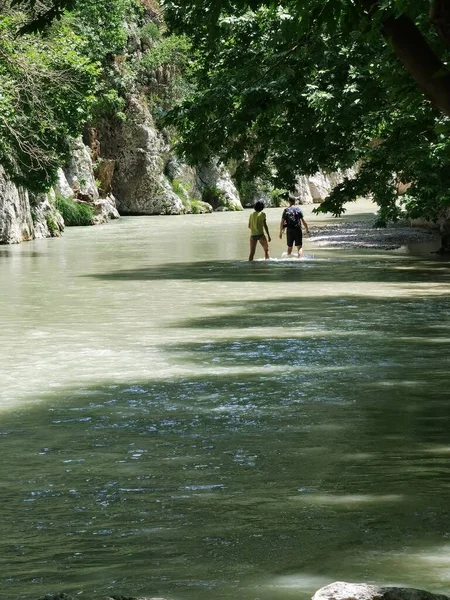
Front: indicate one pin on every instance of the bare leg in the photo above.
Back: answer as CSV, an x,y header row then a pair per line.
x,y
299,252
265,244
289,250
252,249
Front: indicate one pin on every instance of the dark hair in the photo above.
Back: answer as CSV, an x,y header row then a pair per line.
x,y
259,206
288,197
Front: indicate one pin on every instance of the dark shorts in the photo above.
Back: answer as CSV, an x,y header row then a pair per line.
x,y
294,236
257,237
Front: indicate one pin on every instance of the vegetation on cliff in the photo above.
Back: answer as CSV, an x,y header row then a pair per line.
x,y
68,63
47,91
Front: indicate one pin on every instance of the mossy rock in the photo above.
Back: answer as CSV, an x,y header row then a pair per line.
x,y
198,207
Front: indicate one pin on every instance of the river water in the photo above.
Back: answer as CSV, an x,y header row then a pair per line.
x,y
177,422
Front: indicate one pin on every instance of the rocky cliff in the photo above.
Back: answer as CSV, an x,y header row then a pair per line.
x,y
122,167
25,216
307,189
148,179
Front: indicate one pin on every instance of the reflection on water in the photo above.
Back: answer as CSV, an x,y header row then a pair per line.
x,y
179,423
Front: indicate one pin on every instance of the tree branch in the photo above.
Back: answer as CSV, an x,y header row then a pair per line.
x,y
419,59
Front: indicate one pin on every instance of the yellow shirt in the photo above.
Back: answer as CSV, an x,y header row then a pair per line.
x,y
256,222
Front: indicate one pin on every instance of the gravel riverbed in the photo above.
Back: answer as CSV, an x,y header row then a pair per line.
x,y
363,234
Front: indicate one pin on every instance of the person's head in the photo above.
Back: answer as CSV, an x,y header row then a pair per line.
x,y
259,206
287,197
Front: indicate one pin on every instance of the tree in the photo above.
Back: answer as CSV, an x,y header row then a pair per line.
x,y
46,86
396,20
285,89
61,69
55,72
41,14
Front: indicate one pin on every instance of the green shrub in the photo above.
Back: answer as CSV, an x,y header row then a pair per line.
x,y
179,189
278,197
173,50
198,207
212,195
74,213
151,32
52,227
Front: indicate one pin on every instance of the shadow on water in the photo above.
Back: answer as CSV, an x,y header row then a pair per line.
x,y
411,316
320,454
396,270
231,484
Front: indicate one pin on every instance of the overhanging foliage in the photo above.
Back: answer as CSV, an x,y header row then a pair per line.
x,y
286,88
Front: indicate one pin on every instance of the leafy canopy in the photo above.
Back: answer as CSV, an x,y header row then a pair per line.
x,y
61,69
46,95
287,88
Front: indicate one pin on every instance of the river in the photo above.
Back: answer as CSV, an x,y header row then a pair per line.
x,y
178,422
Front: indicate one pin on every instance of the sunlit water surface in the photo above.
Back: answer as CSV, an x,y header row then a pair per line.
x,y
178,422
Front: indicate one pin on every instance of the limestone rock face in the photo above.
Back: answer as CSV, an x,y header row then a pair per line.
x,y
16,224
184,179
217,187
105,174
141,153
48,222
315,188
79,172
319,186
62,187
25,216
308,189
361,591
105,210
182,173
302,190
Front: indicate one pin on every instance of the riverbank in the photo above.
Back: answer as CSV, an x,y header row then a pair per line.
x,y
363,234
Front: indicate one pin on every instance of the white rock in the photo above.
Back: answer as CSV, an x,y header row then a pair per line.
x,y
141,153
62,187
79,172
302,192
48,222
214,176
340,590
319,186
16,224
105,210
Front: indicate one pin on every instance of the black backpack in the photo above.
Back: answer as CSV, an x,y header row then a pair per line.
x,y
292,217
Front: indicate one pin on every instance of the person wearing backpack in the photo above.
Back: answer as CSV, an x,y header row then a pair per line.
x,y
292,221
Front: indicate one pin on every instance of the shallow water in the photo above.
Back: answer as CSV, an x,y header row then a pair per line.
x,y
178,422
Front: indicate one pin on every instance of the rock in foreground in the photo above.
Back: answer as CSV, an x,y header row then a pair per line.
x,y
340,590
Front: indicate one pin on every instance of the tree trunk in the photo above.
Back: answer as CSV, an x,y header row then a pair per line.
x,y
419,59
440,17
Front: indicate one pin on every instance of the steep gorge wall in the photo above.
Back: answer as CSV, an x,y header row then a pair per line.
x,y
25,216
140,153
148,179
16,224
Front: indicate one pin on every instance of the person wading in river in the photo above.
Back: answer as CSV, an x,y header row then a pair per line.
x,y
292,220
257,224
